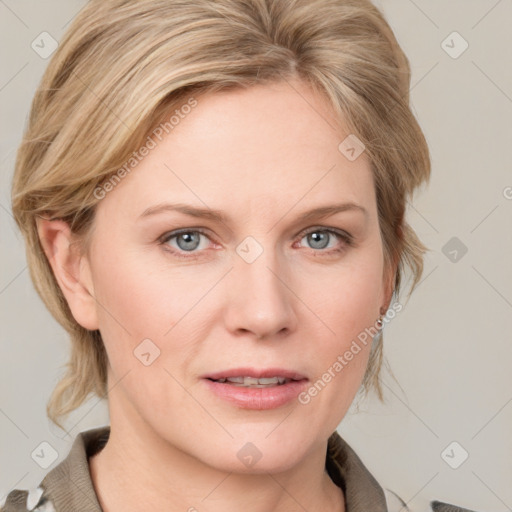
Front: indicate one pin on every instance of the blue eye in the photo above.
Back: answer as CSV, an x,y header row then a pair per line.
x,y
189,241
319,239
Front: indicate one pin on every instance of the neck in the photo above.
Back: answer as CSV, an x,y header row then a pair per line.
x,y
137,470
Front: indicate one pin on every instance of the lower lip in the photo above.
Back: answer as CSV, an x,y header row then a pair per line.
x,y
258,398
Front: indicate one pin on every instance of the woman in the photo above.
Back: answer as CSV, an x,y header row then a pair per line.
x,y
213,195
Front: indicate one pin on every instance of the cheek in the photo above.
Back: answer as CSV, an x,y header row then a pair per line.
x,y
349,298
141,295
130,305
348,304
145,328
162,304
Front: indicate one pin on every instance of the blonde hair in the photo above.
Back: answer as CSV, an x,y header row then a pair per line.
x,y
123,65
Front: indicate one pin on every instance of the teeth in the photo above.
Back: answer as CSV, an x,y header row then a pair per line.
x,y
253,382
238,380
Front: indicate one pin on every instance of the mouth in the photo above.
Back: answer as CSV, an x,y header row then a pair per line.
x,y
251,382
250,388
254,378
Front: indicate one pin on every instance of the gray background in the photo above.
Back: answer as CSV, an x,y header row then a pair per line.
x,y
450,347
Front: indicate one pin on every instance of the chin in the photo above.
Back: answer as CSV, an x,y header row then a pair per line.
x,y
262,462
256,452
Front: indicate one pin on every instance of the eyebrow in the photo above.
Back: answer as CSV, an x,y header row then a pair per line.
x,y
218,216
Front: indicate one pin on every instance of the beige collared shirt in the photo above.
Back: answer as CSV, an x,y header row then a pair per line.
x,y
68,487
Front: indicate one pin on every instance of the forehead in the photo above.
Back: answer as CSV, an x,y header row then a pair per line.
x,y
264,147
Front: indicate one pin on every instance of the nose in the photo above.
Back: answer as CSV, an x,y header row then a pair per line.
x,y
261,302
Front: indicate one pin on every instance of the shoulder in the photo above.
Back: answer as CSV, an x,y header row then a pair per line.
x,y
362,491
34,500
396,504
67,486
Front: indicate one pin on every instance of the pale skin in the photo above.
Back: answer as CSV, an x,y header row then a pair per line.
x,y
262,156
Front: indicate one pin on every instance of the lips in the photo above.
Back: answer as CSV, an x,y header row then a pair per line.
x,y
256,389
254,373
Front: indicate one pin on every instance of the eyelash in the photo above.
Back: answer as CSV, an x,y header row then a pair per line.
x,y
345,237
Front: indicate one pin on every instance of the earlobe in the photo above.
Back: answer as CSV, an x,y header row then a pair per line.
x,y
70,268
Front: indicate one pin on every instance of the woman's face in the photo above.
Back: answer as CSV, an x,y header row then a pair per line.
x,y
264,288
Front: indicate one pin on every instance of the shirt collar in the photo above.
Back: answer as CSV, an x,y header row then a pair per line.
x,y
362,492
69,484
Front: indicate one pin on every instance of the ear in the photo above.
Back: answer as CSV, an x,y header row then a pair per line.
x,y
70,268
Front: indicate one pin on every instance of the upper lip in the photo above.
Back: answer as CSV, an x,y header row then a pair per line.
x,y
255,373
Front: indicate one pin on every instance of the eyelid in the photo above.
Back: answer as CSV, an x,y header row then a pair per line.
x,y
346,237
166,237
340,232
174,233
